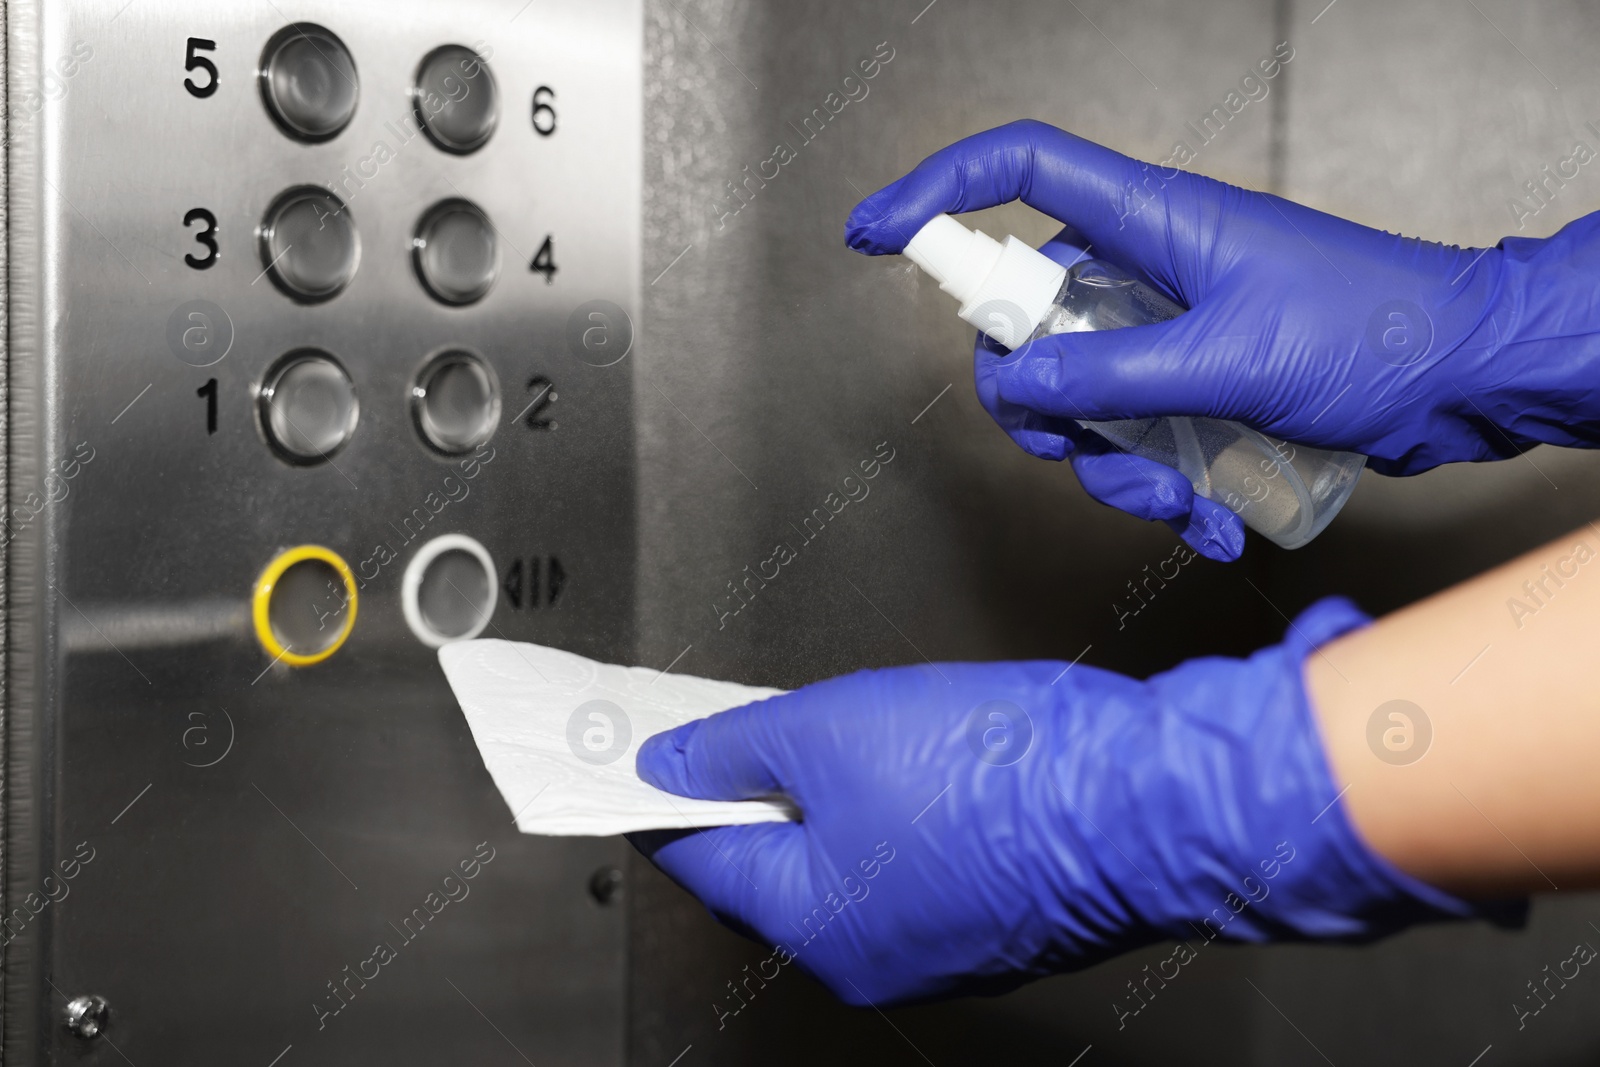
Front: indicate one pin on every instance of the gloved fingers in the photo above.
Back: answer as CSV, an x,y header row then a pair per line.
x,y
1121,206
740,873
732,755
1211,530
1137,372
1150,490
1143,488
1044,436
1039,435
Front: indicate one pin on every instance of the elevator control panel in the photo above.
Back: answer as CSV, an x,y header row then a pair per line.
x,y
302,298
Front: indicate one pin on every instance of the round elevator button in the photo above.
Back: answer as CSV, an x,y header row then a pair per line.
x,y
304,605
455,98
455,252
309,244
449,590
455,402
308,82
307,405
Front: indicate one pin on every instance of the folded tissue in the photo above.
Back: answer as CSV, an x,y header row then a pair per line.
x,y
558,733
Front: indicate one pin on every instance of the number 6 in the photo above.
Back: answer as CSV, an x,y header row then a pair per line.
x,y
544,116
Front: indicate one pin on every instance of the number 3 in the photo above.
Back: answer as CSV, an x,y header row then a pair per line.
x,y
194,62
206,237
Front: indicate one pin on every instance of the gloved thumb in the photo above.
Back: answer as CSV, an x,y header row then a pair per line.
x,y
1136,372
723,757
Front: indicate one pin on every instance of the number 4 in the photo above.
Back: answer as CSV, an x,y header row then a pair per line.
x,y
544,260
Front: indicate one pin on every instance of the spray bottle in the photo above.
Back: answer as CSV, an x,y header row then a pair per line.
x,y
1014,293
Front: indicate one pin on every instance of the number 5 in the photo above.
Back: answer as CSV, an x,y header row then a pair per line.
x,y
194,62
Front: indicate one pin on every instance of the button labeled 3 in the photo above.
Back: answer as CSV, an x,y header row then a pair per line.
x,y
309,244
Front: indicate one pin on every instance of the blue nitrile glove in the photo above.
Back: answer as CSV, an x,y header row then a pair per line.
x,y
1141,487
968,827
1305,326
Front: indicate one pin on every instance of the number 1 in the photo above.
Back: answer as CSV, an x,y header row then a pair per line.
x,y
209,392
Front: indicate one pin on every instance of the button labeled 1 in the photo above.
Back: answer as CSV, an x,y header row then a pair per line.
x,y
307,406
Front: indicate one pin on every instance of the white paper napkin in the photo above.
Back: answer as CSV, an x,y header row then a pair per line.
x,y
559,733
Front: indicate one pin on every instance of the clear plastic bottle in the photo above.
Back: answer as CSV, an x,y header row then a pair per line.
x,y
1287,493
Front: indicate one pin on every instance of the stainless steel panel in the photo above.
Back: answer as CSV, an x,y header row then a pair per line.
x,y
256,830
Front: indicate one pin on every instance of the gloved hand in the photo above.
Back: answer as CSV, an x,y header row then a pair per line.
x,y
967,827
1305,326
1139,486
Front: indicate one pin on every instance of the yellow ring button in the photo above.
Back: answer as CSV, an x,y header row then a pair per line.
x,y
301,616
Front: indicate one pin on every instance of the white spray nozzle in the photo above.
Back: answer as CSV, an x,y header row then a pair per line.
x,y
954,256
1005,289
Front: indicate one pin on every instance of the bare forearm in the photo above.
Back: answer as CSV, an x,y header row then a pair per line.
x,y
1504,672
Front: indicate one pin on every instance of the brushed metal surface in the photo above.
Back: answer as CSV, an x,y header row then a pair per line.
x,y
30,834
255,830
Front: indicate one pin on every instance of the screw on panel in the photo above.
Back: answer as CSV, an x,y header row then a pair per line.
x,y
88,1016
605,885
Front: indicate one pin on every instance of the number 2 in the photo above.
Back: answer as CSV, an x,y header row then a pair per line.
x,y
207,237
544,391
194,62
